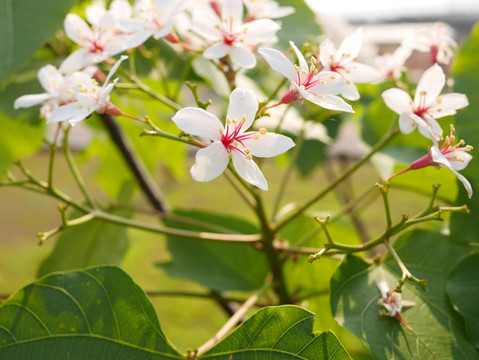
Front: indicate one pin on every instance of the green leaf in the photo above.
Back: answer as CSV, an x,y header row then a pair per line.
x,y
437,330
97,313
93,243
463,290
274,333
216,265
295,26
465,71
25,25
18,139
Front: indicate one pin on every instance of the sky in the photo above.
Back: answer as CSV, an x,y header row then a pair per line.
x,y
388,9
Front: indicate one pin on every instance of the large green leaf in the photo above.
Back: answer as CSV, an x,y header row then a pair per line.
x,y
98,313
25,25
437,330
275,333
463,289
96,242
465,72
216,265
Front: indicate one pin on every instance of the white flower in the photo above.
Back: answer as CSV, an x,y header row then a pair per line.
x,y
89,98
154,18
97,44
228,35
391,66
307,82
231,141
427,104
344,62
56,86
266,9
435,39
120,10
392,302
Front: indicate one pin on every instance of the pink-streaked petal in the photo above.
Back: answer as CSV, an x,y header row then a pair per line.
x,y
407,124
207,24
242,56
351,45
303,65
249,171
350,91
269,145
327,49
198,122
75,61
216,51
50,78
431,83
279,63
115,45
77,29
360,73
210,162
243,104
435,130
73,112
232,10
27,101
448,104
397,100
258,31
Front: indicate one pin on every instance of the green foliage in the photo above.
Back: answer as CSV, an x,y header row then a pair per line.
x,y
93,243
97,313
463,289
465,71
437,330
224,266
25,25
283,332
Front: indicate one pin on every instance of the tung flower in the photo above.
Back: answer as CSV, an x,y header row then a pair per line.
x,y
392,302
319,87
228,35
344,62
89,97
391,66
453,157
231,141
427,105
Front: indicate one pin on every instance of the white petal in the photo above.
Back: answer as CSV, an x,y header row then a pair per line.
x,y
464,181
120,9
360,73
327,49
279,63
77,29
207,25
216,51
458,159
397,100
258,31
330,102
350,91
431,82
303,65
243,103
210,162
198,122
269,145
27,101
242,56
232,10
51,79
434,131
351,45
249,171
448,104
137,38
407,123
329,83
74,112
440,159
75,61
94,12
114,68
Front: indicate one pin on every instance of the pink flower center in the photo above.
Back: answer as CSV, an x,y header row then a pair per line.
x,y
233,137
